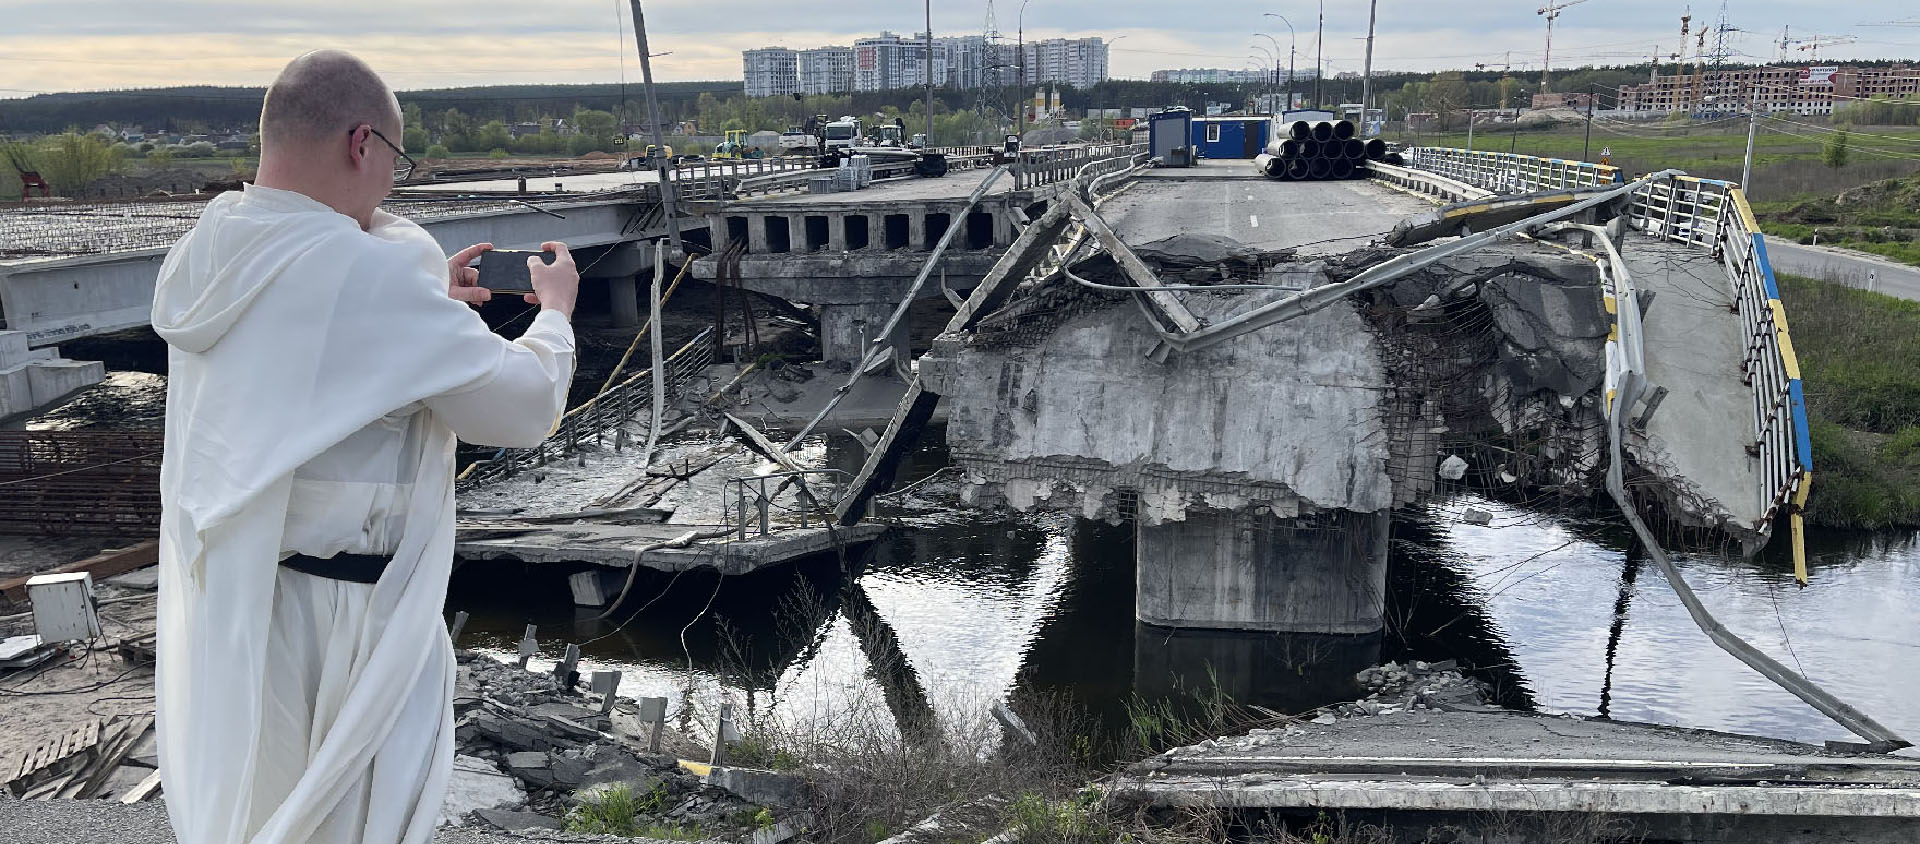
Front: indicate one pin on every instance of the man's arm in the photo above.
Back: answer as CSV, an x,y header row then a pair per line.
x,y
518,405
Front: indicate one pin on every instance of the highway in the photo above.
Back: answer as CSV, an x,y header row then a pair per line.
x,y
1846,266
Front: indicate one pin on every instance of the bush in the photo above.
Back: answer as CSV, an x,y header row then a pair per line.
x,y
72,161
438,151
497,152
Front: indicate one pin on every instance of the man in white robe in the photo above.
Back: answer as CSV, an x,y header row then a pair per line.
x,y
323,357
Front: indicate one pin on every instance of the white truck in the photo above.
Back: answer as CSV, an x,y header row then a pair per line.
x,y
843,134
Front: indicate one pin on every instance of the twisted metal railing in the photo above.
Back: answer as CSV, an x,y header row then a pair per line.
x,y
586,427
1714,216
1037,167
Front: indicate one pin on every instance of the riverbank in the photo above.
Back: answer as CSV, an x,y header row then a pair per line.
x,y
1860,362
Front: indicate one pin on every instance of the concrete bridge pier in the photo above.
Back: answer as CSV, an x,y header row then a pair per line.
x,y
1254,571
845,330
621,266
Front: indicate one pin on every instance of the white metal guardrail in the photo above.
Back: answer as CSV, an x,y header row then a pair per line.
x,y
1046,166
1707,214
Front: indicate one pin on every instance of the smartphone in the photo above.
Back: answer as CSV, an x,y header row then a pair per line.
x,y
505,270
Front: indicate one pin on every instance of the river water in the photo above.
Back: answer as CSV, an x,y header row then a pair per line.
x,y
1552,609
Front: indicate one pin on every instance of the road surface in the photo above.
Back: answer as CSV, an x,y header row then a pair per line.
x,y
1853,268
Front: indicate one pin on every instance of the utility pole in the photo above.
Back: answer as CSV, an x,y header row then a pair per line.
x,y
1319,54
661,164
1366,71
1753,127
1586,145
929,74
1020,35
1469,129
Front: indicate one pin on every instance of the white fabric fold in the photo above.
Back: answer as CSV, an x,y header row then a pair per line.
x,y
290,330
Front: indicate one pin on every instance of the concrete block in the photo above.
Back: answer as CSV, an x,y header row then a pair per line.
x,y
53,380
765,788
16,394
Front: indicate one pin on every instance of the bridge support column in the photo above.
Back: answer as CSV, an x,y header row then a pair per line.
x,y
917,231
717,233
837,232
845,329
876,232
625,296
1003,232
757,234
1238,570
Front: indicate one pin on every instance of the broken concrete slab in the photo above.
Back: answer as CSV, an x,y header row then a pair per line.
x,y
477,784
517,821
766,788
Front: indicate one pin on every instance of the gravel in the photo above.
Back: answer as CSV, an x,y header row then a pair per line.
x,y
105,822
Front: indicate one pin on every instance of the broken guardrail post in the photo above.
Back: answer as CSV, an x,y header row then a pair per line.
x,y
654,709
605,683
565,673
720,731
528,646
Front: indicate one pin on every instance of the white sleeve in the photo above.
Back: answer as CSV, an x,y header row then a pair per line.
x,y
519,404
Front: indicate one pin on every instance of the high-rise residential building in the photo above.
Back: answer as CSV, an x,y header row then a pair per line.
x,y
1079,62
890,61
771,71
975,62
826,70
1221,76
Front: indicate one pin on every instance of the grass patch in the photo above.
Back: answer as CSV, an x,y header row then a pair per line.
x,y
1860,362
618,810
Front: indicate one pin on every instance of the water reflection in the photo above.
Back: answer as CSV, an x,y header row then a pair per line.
x,y
937,623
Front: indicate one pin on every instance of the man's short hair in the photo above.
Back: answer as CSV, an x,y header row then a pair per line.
x,y
323,93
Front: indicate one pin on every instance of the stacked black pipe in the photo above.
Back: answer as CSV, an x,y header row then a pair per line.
x,y
1320,150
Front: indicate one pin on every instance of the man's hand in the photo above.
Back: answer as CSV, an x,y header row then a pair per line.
x,y
555,285
463,280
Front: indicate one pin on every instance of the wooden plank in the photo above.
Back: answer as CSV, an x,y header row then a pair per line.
x,y
102,566
144,790
1178,317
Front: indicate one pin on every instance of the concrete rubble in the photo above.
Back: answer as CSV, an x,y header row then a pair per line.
x,y
530,750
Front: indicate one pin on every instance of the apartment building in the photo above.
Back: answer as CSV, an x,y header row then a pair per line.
x,y
826,70
770,71
1800,90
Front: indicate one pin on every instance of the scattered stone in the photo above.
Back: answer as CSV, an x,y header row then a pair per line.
x,y
1326,718
763,787
517,821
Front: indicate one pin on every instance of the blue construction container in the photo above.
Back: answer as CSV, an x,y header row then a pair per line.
x,y
1231,137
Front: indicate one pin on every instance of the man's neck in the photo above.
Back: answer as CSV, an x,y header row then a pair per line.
x,y
319,187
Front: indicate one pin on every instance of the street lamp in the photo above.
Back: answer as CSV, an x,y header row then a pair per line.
x,y
1290,55
1096,99
1276,61
1021,36
1271,59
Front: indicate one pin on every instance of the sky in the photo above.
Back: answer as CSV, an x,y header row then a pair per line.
x,y
60,45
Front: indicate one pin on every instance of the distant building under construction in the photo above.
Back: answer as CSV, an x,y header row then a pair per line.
x,y
1801,90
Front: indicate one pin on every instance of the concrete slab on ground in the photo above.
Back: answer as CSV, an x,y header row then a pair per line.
x,y
1517,762
618,546
1261,213
1695,345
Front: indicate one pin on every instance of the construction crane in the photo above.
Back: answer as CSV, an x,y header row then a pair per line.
x,y
1551,11
1813,43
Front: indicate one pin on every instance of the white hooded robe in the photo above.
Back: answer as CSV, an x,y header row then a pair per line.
x,y
317,377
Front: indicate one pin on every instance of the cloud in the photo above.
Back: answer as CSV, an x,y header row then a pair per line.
x,y
437,43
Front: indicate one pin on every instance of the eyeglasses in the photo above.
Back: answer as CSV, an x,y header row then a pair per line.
x,y
402,163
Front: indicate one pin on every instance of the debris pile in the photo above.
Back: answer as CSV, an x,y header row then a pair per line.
x,y
532,749
1417,685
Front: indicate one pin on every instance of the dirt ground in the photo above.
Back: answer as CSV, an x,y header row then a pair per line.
x,y
37,705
